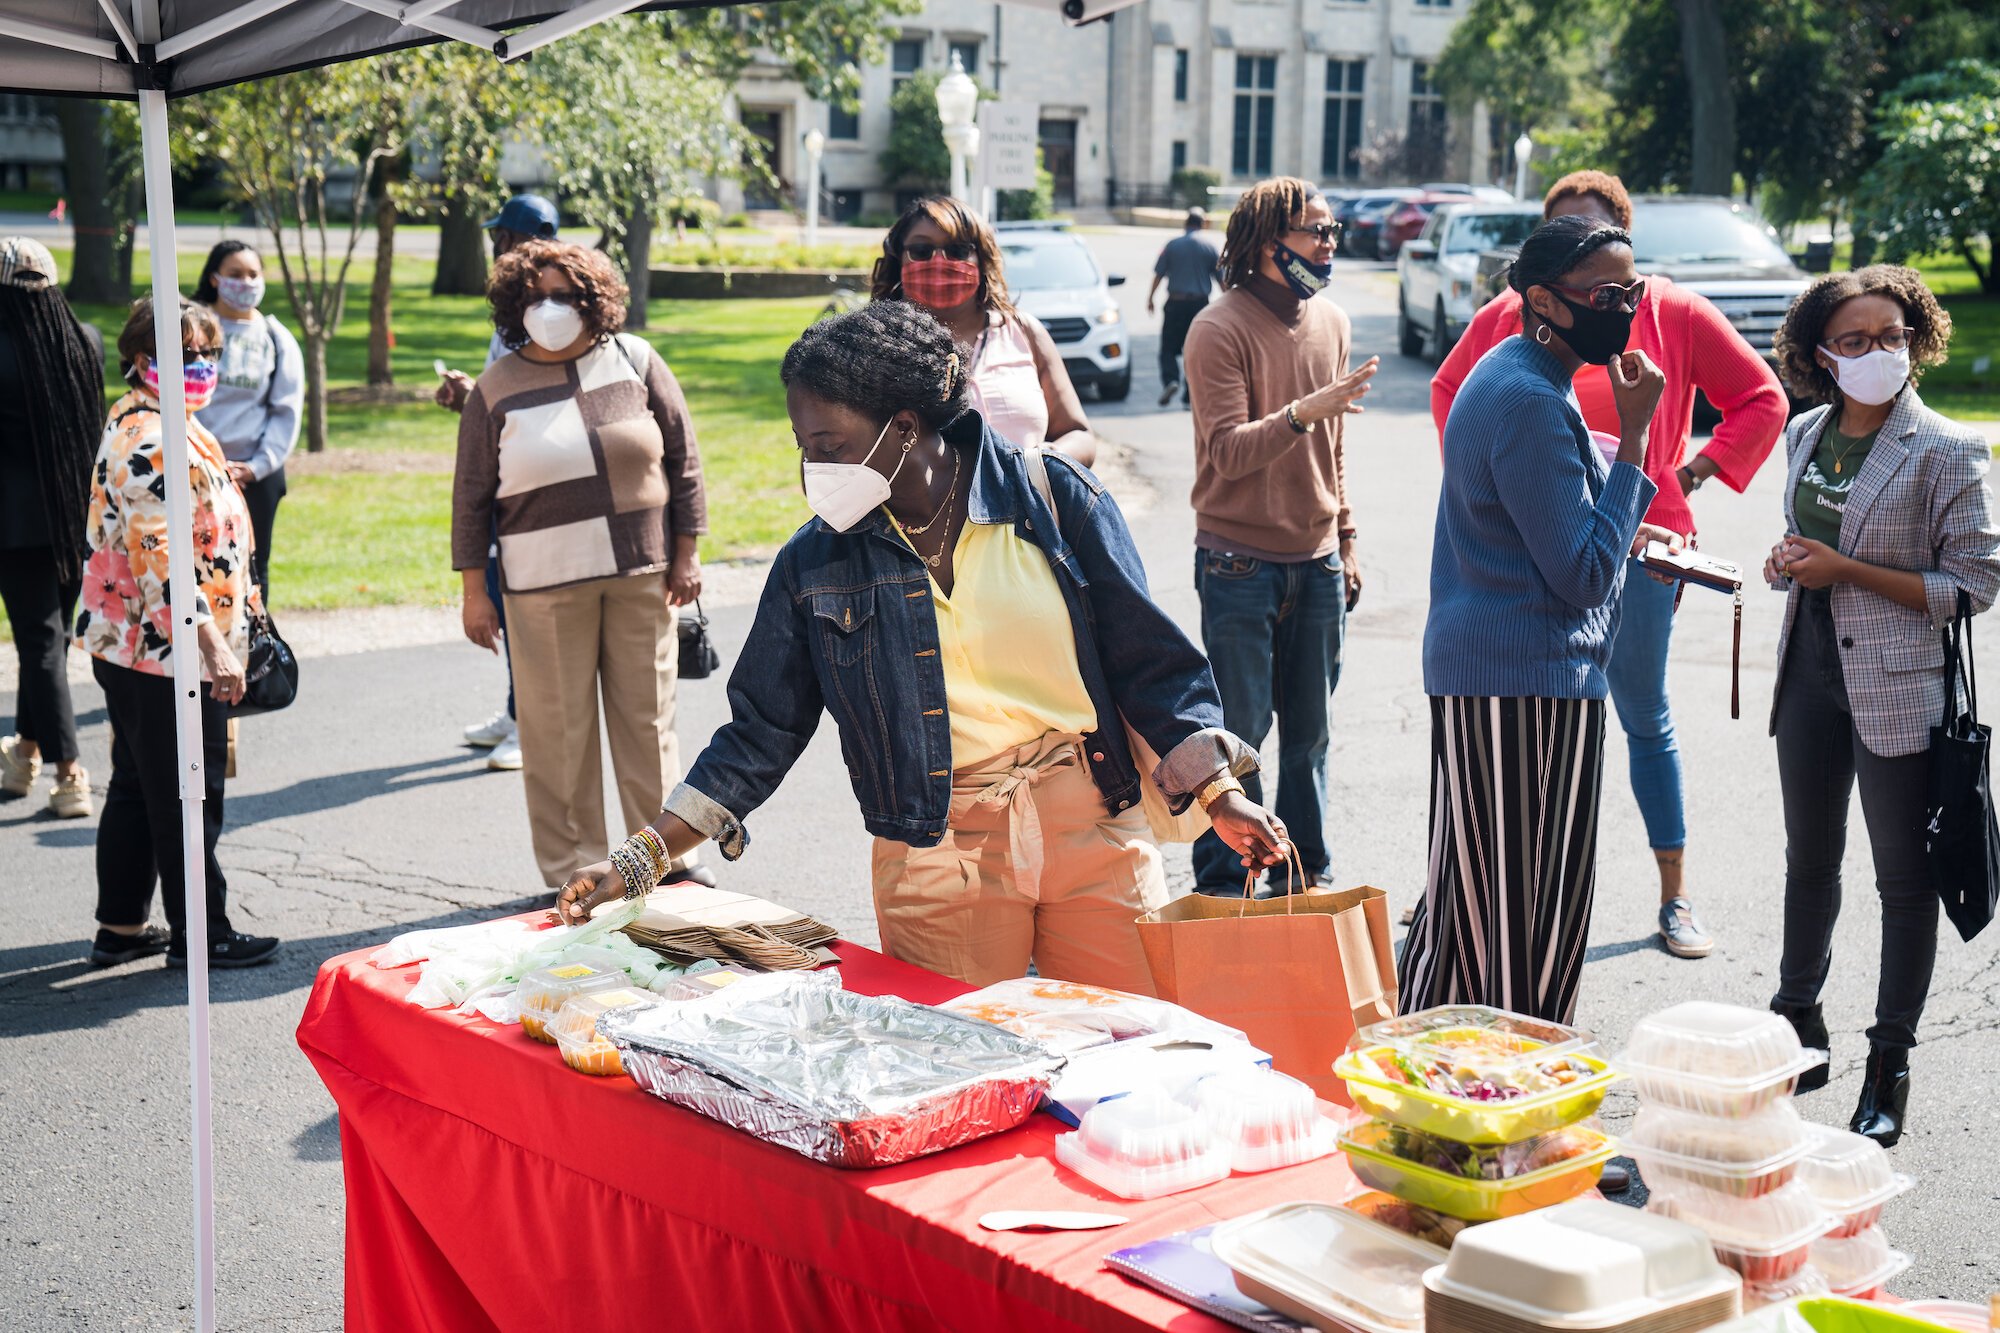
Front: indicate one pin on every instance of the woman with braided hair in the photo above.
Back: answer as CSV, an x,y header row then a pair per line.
x,y
51,414
976,652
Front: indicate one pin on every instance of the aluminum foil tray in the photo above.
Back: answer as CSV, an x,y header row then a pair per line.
x,y
845,1079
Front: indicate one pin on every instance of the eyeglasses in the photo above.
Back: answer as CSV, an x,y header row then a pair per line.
x,y
1608,296
567,297
923,251
1326,232
1847,346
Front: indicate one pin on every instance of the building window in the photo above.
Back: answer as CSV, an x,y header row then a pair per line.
x,y
906,57
1427,113
1341,140
1433,4
842,124
968,56
1256,115
1180,76
1180,155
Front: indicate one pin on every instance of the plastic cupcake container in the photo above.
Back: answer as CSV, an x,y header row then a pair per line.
x,y
1766,1239
1856,1266
1746,1158
1267,1119
1144,1146
1714,1059
1850,1176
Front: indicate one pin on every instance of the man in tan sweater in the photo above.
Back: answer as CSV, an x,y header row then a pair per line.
x,y
1275,563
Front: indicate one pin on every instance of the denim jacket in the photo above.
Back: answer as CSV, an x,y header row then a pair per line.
x,y
847,624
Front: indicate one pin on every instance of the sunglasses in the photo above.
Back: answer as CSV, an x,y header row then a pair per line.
x,y
1608,296
201,353
1326,232
1850,345
924,251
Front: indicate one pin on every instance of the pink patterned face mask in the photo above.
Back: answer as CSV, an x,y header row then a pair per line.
x,y
198,379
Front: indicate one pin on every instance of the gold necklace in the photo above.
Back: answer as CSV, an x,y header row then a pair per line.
x,y
1851,447
949,491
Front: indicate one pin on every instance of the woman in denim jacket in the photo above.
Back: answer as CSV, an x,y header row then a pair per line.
x,y
977,655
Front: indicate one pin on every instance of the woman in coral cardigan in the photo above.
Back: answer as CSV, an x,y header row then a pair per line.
x,y
1695,346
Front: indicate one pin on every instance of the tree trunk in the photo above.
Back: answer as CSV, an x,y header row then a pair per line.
x,y
1711,96
461,267
380,338
638,265
315,390
94,274
1863,253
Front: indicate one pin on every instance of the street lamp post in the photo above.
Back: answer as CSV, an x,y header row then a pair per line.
x,y
815,145
957,99
1524,148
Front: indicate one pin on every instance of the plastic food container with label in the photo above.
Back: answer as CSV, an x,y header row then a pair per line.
x,y
573,1028
1328,1267
1849,1175
1857,1266
1747,1157
1144,1146
1583,1265
1475,1074
1715,1059
1766,1239
1477,1184
541,993
1267,1119
699,985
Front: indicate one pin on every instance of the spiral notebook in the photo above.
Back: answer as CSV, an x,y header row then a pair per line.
x,y
1183,1267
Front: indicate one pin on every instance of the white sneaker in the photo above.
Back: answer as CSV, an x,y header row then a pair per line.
x,y
18,774
71,797
506,756
491,732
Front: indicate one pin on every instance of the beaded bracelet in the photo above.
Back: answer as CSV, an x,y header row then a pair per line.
x,y
631,868
656,849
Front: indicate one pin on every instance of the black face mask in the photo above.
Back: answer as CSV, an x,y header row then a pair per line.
x,y
1595,335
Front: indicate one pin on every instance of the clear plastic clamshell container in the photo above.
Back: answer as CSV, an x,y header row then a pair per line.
x,y
1715,1059
1963,1316
1328,1267
1804,1284
1267,1119
541,993
574,1028
1747,1157
1850,1176
1766,1239
1475,1074
699,985
1857,1266
1144,1146
1478,1184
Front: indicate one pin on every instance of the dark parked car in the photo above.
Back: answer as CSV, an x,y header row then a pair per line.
x,y
1361,220
1402,223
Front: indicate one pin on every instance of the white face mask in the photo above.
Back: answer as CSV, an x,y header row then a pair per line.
x,y
552,325
1872,378
843,494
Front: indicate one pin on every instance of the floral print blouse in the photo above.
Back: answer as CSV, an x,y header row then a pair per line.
x,y
126,619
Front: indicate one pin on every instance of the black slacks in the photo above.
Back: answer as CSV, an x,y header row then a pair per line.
x,y
42,610
262,499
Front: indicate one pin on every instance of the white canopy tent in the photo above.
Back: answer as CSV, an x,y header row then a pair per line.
x,y
156,50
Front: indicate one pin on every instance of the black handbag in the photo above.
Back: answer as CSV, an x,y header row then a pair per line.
x,y
271,673
1961,838
699,660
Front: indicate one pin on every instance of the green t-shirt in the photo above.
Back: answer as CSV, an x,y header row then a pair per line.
x,y
1828,477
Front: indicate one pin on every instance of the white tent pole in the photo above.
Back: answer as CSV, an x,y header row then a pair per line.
x,y
586,15
443,27
222,24
187,678
43,35
121,27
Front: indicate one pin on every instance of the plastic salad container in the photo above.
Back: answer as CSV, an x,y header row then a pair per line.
x,y
574,1028
1766,1239
1474,1074
1328,1267
1585,1265
541,993
1747,1157
1144,1146
1478,1184
1857,1266
1267,1119
1802,1285
1424,1224
1850,1176
1715,1059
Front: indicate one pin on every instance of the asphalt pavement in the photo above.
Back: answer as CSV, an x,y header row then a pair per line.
x,y
357,815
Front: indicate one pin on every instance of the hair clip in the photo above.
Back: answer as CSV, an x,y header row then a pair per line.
x,y
950,373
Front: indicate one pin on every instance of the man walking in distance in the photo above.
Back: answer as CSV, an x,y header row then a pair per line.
x,y
1275,562
525,217
1187,266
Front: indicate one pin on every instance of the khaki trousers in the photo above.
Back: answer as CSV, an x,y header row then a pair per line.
x,y
618,633
1032,867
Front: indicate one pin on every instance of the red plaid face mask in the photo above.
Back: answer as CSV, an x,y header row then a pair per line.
x,y
940,283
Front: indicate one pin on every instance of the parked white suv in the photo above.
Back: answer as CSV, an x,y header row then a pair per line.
x,y
1052,276
1438,273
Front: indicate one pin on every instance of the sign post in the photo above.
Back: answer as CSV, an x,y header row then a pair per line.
x,y
1008,134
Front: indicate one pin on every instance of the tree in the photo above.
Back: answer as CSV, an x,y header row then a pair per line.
x,y
916,158
1711,96
101,185
1937,183
285,144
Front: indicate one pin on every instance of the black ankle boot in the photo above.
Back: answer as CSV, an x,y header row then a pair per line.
x,y
1810,1024
1885,1095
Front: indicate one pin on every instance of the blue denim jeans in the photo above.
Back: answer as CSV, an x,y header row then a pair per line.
x,y
1638,676
1273,632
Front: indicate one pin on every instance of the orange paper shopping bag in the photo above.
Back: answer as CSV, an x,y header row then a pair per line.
x,y
1296,974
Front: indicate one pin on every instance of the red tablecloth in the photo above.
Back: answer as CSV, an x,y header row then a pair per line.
x,y
491,1187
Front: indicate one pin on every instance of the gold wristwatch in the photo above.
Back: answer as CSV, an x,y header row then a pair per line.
x,y
1217,788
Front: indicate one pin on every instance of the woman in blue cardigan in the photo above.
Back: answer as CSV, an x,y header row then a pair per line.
x,y
1534,531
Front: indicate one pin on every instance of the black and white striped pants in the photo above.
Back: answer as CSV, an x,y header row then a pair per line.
x,y
1513,855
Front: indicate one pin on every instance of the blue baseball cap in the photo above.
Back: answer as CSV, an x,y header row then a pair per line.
x,y
526,215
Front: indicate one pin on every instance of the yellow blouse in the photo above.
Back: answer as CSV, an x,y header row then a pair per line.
x,y
1007,646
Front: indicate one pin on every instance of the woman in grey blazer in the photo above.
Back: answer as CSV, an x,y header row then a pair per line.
x,y
1888,519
